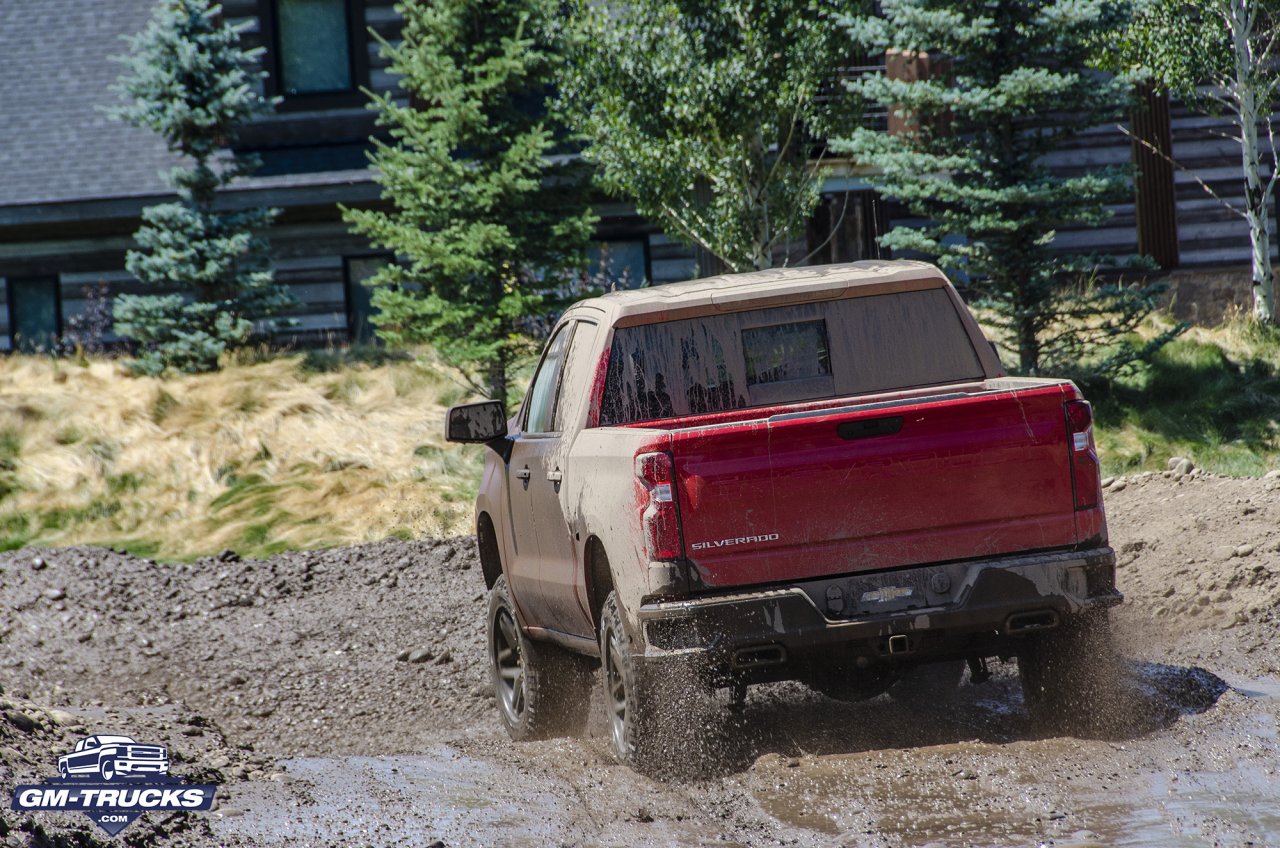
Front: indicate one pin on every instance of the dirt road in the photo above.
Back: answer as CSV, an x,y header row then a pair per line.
x,y
341,698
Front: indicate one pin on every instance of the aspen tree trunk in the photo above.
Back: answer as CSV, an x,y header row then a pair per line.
x,y
1257,188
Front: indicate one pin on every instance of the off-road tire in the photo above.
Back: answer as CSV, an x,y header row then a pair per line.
x,y
541,689
660,722
1070,674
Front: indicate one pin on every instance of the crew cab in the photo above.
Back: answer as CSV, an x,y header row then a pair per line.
x,y
110,757
818,473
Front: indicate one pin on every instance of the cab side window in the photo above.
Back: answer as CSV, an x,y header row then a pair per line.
x,y
542,391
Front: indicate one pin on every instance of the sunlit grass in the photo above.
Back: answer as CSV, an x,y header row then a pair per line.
x,y
287,452
1212,395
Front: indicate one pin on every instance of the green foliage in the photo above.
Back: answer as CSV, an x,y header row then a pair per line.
x,y
1196,399
973,164
486,222
186,80
1178,43
703,113
1219,56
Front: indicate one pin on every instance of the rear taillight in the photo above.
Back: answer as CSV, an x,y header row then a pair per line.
x,y
658,517
1085,471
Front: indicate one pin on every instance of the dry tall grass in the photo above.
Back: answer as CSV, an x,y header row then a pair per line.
x,y
257,458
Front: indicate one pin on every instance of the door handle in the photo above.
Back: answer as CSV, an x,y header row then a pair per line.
x,y
523,473
555,476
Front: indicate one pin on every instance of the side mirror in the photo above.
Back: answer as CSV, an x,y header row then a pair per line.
x,y
475,422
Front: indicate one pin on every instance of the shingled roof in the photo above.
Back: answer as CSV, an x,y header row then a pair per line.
x,y
57,141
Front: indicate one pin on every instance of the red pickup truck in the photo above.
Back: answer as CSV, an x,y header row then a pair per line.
x,y
819,473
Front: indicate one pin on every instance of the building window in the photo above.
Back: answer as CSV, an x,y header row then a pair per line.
x,y
35,313
316,46
619,263
360,308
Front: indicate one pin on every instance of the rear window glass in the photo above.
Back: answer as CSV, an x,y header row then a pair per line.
x,y
785,354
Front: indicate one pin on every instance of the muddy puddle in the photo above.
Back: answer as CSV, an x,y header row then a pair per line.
x,y
968,774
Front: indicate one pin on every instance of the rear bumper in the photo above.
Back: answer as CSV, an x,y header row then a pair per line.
x,y
927,612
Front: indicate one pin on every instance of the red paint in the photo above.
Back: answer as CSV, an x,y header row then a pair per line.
x,y
980,475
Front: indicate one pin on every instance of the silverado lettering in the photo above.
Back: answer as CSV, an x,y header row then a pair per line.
x,y
926,510
740,540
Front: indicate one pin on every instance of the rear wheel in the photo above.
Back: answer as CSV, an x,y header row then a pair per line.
x,y
659,723
542,690
1069,674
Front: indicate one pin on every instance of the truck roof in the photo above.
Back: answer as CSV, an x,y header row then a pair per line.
x,y
776,286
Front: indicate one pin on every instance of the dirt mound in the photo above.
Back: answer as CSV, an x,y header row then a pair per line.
x,y
351,650
1199,554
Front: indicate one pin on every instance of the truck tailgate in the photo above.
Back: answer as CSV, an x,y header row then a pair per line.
x,y
870,486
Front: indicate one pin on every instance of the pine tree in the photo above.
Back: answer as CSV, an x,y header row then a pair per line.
x,y
487,224
972,165
187,79
704,114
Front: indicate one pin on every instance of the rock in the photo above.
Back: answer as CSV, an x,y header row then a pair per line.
x,y
1107,481
37,564
228,555
1118,486
1272,475
220,762
420,655
62,718
55,594
84,637
22,721
1180,465
1222,553
444,658
1244,550
403,656
236,679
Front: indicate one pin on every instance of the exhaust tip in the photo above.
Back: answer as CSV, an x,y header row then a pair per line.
x,y
899,644
1027,621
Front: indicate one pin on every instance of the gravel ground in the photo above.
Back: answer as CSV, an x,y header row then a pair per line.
x,y
341,697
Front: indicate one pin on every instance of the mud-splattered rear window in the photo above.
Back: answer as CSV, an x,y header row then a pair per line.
x,y
785,354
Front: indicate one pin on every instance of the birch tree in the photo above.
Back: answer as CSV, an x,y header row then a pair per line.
x,y
1219,56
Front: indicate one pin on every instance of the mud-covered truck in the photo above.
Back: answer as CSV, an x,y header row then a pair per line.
x,y
821,474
